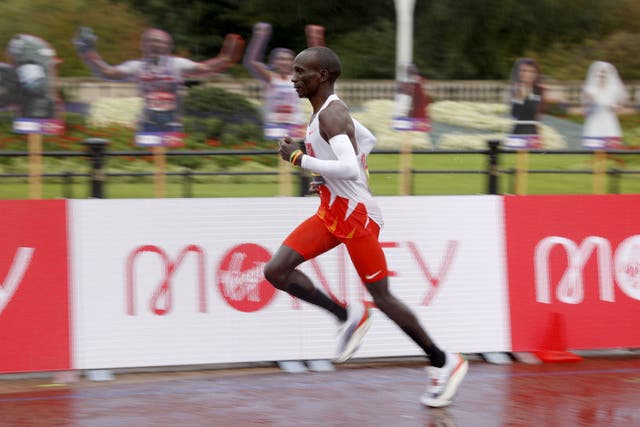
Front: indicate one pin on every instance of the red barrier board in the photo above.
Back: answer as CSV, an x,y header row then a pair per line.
x,y
573,271
34,286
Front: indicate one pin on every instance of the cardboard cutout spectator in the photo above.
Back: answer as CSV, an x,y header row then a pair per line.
x,y
159,74
603,95
9,86
412,102
282,109
526,100
28,85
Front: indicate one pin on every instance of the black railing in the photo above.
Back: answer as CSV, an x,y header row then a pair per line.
x,y
96,155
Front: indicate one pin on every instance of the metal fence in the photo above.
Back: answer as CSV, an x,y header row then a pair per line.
x,y
511,179
83,90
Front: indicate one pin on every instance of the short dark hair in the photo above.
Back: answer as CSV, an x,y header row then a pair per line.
x,y
326,58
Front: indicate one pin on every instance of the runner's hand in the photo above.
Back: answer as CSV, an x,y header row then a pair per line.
x,y
315,35
85,39
232,47
286,146
262,29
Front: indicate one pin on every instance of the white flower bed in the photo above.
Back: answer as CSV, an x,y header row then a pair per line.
x,y
110,111
377,116
475,115
482,116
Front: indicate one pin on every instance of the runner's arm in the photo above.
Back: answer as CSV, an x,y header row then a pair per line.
x,y
85,43
230,53
255,51
346,165
336,126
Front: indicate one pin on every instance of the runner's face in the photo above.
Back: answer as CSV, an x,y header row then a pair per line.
x,y
156,43
305,77
602,76
528,73
283,63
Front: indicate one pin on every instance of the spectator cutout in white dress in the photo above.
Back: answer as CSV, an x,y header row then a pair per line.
x,y
603,95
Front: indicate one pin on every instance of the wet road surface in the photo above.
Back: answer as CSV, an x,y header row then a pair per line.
x,y
592,392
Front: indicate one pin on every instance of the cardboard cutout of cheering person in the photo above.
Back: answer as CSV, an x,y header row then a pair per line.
x,y
526,98
603,96
283,113
411,101
160,76
28,85
9,88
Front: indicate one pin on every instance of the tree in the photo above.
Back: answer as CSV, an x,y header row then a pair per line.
x,y
198,27
482,38
464,39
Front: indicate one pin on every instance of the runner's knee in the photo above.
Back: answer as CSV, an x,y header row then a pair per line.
x,y
275,274
380,293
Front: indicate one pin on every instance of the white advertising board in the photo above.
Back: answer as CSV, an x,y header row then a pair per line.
x,y
179,281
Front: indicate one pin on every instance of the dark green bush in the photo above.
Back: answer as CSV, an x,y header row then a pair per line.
x,y
207,101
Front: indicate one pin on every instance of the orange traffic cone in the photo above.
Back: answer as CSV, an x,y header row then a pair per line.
x,y
555,345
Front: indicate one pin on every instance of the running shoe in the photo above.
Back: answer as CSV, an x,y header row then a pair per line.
x,y
444,382
352,331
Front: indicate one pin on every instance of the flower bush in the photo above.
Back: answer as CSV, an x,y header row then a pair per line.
x,y
105,112
377,115
475,115
482,116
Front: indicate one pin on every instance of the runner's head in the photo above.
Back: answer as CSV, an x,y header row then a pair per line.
x,y
315,67
281,60
156,43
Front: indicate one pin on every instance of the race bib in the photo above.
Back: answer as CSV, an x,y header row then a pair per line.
x,y
161,101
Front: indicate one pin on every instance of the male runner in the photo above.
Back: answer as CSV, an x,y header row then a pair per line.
x,y
337,146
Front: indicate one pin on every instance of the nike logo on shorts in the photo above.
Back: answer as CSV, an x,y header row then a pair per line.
x,y
371,276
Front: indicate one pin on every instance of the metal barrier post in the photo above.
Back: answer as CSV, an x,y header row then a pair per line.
x,y
614,182
96,151
35,165
405,166
599,171
67,182
186,183
492,167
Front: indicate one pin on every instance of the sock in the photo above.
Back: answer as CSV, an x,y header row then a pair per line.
x,y
436,356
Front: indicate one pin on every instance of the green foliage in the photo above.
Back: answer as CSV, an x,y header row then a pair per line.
x,y
359,60
198,27
570,62
207,100
116,25
471,39
219,119
465,39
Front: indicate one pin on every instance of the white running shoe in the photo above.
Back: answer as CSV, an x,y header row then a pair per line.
x,y
444,382
352,331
